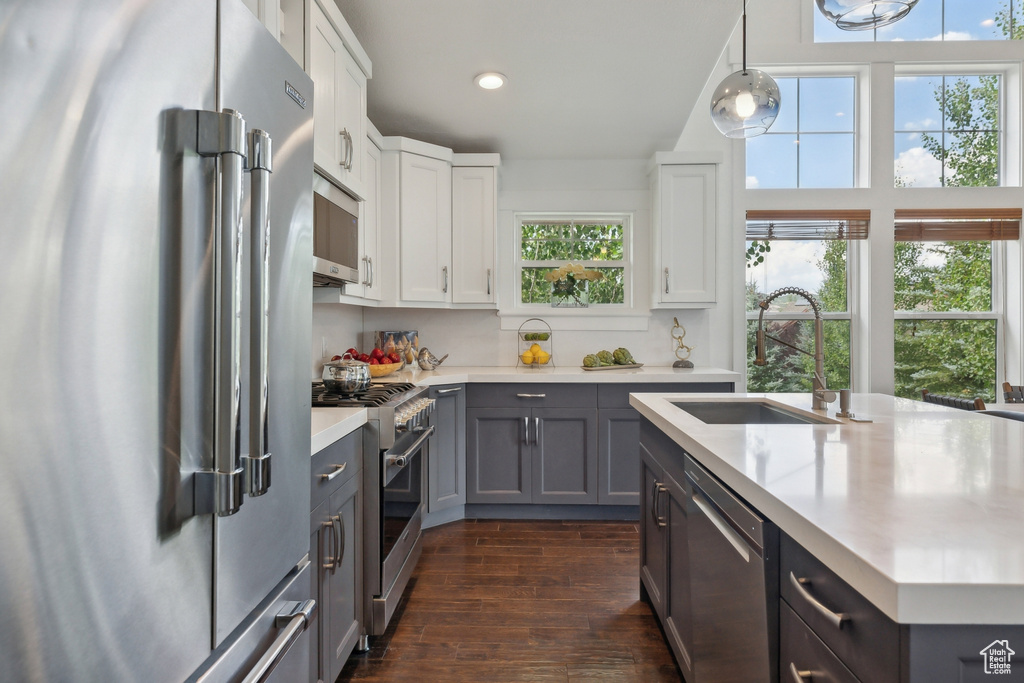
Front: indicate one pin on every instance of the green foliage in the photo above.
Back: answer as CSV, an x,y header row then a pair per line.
x,y
969,151
583,243
756,251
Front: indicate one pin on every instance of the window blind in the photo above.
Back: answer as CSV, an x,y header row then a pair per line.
x,y
841,224
945,225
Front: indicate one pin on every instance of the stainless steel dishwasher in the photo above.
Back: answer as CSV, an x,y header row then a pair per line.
x,y
734,587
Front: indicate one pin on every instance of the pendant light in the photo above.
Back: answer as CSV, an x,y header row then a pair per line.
x,y
746,103
860,15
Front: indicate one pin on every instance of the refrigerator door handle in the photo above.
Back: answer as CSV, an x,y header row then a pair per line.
x,y
293,619
222,135
257,461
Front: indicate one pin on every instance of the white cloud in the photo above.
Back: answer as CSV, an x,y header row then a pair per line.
x,y
789,264
917,168
752,182
958,35
988,23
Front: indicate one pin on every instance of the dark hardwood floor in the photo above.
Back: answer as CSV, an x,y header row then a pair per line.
x,y
538,601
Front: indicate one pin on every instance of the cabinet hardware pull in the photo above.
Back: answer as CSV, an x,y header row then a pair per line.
x,y
536,430
797,675
488,282
834,618
335,528
666,280
346,159
373,272
659,519
327,562
526,431
338,469
444,271
366,270
340,555
449,391
735,540
531,395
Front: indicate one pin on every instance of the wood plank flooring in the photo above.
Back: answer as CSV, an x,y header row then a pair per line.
x,y
496,601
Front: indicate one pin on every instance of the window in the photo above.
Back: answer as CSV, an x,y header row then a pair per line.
x,y
947,130
947,314
595,241
812,143
946,20
809,250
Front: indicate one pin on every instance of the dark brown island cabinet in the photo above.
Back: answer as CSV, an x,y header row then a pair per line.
x,y
820,628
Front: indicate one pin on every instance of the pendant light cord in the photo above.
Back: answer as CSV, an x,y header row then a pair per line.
x,y
744,37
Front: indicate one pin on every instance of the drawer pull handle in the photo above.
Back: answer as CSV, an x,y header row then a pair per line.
x,y
531,395
834,618
449,391
338,469
799,676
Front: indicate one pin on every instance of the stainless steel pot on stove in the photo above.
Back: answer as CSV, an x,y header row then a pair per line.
x,y
346,376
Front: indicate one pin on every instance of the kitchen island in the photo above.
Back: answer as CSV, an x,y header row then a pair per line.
x,y
920,511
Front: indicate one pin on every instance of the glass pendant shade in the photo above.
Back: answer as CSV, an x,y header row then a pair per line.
x,y
745,104
860,15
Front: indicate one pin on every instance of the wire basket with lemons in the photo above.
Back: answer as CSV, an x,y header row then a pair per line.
x,y
535,344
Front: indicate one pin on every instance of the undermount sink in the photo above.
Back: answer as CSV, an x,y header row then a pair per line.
x,y
745,412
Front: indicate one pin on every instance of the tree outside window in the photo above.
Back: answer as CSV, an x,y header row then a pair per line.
x,y
595,242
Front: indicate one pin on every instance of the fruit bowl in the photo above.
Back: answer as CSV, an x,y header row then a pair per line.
x,y
383,370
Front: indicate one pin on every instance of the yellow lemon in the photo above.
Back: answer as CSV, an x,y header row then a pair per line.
x,y
535,349
542,357
527,357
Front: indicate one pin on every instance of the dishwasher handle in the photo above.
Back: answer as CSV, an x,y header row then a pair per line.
x,y
705,506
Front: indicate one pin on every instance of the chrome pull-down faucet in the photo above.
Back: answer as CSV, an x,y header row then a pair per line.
x,y
821,395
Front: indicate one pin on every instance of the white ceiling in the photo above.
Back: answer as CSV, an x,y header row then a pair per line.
x,y
588,79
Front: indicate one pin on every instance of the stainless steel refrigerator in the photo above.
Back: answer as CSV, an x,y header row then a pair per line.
x,y
155,297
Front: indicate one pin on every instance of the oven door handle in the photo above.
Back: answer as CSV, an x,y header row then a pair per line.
x,y
402,459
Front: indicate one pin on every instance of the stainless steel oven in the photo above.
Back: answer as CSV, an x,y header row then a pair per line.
x,y
394,461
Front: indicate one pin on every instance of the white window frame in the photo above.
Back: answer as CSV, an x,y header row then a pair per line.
x,y
1009,109
861,116
593,217
997,312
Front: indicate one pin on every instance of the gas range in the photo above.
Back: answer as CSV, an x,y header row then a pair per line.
x,y
400,405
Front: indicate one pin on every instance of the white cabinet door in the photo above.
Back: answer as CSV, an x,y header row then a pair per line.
x,y
474,220
339,104
369,223
685,235
425,206
267,11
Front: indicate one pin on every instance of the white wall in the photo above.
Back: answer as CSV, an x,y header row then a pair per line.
x,y
336,326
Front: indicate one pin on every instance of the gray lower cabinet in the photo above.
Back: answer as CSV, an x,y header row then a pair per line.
x,y
664,551
619,434
446,449
335,544
539,455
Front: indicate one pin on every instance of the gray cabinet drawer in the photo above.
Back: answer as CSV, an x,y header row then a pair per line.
x,y
340,461
801,652
516,395
617,395
867,642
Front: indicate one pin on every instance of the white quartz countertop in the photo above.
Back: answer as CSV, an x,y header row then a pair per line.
x,y
550,373
331,424
921,510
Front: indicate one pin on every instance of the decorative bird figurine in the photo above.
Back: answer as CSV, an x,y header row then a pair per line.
x,y
427,360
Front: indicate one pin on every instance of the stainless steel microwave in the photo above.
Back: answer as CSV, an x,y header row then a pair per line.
x,y
335,235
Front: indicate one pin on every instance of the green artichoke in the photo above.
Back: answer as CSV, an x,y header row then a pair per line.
x,y
606,358
590,361
622,356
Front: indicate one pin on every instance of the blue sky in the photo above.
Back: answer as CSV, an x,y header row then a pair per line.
x,y
963,20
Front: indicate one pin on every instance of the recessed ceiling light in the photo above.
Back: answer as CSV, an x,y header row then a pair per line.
x,y
491,80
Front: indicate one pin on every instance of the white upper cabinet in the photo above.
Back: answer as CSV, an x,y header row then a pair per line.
x,y
685,233
474,223
339,69
425,228
369,223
